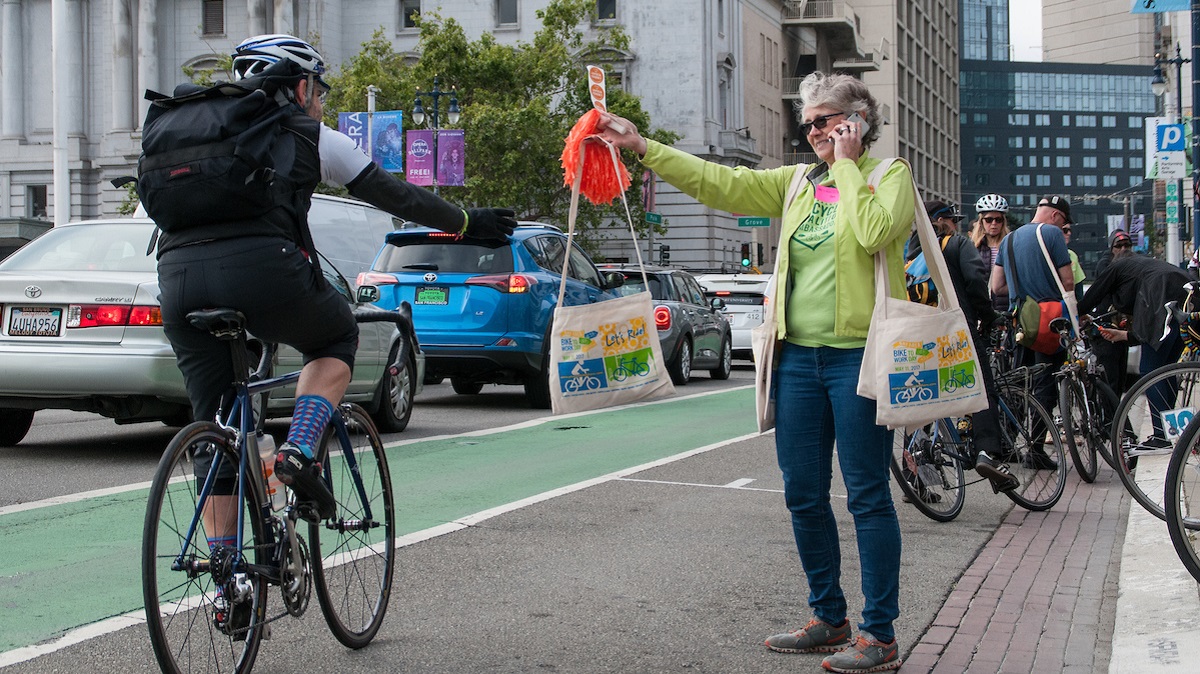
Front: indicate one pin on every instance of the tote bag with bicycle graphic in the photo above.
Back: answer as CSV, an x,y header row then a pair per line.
x,y
607,353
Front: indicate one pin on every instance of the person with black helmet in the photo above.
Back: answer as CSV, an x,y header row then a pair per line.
x,y
207,264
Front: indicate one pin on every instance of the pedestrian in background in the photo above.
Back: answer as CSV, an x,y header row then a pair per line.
x,y
1035,279
1113,355
829,238
989,229
971,287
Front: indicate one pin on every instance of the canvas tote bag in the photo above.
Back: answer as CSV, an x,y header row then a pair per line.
x,y
919,363
764,338
607,353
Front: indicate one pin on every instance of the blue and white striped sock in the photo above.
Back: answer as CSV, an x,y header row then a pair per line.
x,y
309,419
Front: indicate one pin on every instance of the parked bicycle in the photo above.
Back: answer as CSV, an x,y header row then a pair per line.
x,y
1153,415
1086,403
208,609
930,464
1181,496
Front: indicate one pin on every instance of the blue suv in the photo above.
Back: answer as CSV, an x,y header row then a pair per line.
x,y
482,309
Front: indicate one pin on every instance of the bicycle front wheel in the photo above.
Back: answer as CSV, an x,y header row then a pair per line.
x,y
354,553
1182,498
196,623
1149,420
1033,450
926,466
1077,431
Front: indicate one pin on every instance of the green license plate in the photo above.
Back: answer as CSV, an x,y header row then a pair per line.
x,y
438,295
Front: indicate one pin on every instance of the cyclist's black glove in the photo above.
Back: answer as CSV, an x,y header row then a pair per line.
x,y
489,223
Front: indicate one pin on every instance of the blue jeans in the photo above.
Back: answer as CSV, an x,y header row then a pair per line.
x,y
816,401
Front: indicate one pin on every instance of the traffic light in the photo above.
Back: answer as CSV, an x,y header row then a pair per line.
x,y
745,255
664,255
761,259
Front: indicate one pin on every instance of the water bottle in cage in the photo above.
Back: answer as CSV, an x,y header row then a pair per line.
x,y
266,452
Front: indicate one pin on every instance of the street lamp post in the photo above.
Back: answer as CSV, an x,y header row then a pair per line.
x,y
452,114
1159,86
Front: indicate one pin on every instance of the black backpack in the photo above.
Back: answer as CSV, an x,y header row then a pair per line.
x,y
207,152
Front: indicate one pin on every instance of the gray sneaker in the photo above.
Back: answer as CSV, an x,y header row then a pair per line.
x,y
815,637
867,654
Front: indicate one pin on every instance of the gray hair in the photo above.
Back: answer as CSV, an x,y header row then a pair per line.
x,y
841,92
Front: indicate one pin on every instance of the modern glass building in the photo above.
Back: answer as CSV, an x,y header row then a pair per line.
x,y
1035,129
984,30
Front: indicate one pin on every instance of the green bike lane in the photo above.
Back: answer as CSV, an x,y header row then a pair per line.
x,y
67,565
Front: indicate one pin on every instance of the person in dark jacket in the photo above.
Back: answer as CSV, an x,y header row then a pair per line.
x,y
1113,356
970,281
1141,286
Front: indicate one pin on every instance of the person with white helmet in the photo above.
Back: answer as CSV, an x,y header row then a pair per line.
x,y
211,264
989,229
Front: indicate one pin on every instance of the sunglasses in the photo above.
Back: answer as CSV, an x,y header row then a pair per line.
x,y
820,122
1125,244
994,219
1066,230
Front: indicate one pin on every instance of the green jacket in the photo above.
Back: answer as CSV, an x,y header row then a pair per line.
x,y
866,222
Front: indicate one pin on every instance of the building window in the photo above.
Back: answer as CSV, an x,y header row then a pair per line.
x,y
1066,181
1062,162
1016,142
1042,120
1116,162
1109,121
213,19
980,118
1116,143
985,142
506,12
1110,181
36,201
1087,181
1136,163
1062,143
606,10
985,160
409,11
1043,181
1085,120
1021,180
1137,144
1066,120
1135,122
1019,161
1089,162
1089,143
1018,120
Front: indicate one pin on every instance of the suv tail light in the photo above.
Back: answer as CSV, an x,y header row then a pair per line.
x,y
662,318
374,278
505,283
96,315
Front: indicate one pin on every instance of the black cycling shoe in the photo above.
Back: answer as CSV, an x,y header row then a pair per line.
x,y
997,473
1039,460
303,475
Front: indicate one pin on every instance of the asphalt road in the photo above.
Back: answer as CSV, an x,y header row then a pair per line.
x,y
642,554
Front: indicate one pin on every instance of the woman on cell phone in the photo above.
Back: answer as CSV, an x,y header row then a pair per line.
x,y
830,234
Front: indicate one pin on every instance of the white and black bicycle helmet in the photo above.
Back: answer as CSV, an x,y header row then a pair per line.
x,y
262,51
991,202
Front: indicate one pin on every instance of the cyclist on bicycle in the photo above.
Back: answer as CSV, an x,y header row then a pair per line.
x,y
263,268
970,283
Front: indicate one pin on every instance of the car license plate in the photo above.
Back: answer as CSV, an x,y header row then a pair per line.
x,y
35,322
438,295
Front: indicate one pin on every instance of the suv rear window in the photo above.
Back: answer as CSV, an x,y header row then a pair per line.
x,y
444,254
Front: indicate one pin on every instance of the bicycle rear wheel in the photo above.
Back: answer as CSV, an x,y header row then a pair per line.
x,y
928,472
1148,421
354,553
182,595
1077,427
1028,438
1182,498
1106,401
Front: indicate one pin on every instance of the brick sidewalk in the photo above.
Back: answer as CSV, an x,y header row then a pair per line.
x,y
1041,596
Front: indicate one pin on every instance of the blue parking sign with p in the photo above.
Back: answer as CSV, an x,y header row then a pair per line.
x,y
1171,138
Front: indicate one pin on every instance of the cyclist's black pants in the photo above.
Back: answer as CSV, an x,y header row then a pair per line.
x,y
284,298
986,423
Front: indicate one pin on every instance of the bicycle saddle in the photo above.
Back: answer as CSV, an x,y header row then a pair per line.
x,y
223,323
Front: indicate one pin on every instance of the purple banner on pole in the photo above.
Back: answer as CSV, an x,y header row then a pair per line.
x,y
388,148
354,124
452,158
420,157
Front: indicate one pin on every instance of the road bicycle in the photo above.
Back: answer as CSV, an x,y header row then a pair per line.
x,y
208,609
1153,415
930,464
1086,403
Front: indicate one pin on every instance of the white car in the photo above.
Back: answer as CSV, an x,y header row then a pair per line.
x,y
744,296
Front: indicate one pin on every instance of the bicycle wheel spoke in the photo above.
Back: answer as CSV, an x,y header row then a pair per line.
x,y
1033,450
1182,497
926,467
353,554
182,605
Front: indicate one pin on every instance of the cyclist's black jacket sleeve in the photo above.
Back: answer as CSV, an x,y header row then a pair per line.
x,y
404,200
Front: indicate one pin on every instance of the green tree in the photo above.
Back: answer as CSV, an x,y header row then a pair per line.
x,y
518,104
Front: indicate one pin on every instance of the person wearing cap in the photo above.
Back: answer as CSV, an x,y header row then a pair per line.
x,y
1113,356
1034,279
1140,286
970,283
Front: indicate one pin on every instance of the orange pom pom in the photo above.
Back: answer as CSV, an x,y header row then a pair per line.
x,y
600,183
